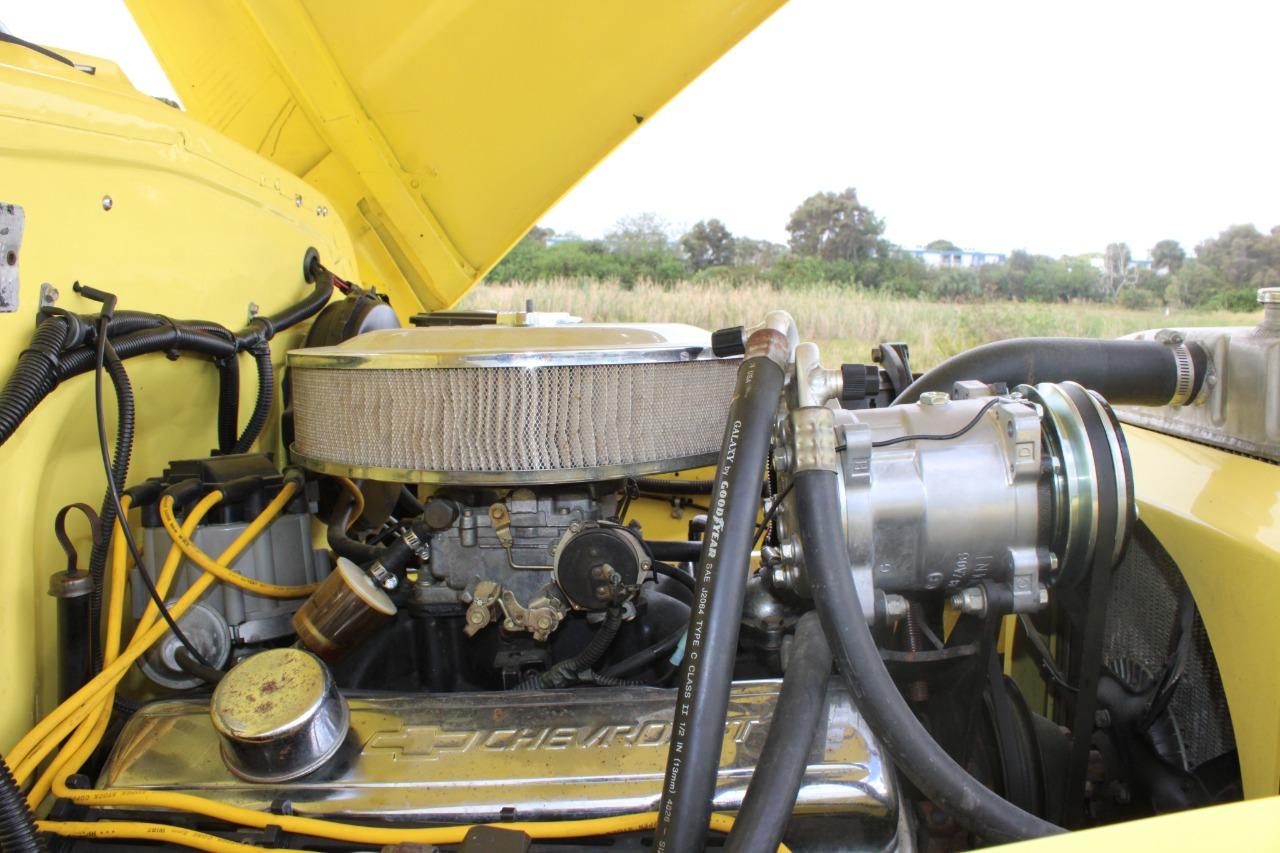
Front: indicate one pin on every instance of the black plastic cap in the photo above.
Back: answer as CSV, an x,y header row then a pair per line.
x,y
727,343
858,382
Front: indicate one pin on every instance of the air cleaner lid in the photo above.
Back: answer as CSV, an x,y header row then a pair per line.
x,y
511,346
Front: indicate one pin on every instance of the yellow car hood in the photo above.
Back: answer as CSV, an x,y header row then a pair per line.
x,y
439,129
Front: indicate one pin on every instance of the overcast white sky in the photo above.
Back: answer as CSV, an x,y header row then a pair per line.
x,y
1051,126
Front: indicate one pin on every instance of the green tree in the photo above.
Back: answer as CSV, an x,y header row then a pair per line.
x,y
1243,257
644,232
758,254
835,227
1168,255
1115,270
942,246
1010,279
1194,284
954,285
708,244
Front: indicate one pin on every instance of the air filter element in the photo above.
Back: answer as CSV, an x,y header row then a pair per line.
x,y
503,404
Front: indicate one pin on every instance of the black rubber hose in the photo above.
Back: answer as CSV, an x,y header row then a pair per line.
x,y
674,551
125,417
913,750
262,408
693,757
678,575
646,656
1140,373
304,309
342,544
802,705
566,671
408,500
18,832
34,377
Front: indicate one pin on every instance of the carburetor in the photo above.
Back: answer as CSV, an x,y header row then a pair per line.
x,y
987,496
529,557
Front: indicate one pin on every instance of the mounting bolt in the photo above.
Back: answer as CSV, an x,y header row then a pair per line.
x,y
895,606
107,203
972,601
1044,596
934,398
780,578
297,201
48,295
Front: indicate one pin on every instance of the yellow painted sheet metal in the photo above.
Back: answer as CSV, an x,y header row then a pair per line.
x,y
440,129
1248,826
1218,515
198,226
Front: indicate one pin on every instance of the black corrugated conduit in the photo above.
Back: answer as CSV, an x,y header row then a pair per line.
x,y
797,718
913,750
63,346
702,696
566,672
261,353
35,375
17,826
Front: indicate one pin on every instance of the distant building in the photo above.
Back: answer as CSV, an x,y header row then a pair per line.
x,y
944,259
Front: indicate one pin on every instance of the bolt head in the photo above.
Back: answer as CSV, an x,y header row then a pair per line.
x,y
1044,596
107,203
895,606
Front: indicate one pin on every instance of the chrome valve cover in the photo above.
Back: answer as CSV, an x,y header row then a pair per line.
x,y
503,756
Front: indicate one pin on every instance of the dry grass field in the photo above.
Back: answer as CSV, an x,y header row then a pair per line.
x,y
845,324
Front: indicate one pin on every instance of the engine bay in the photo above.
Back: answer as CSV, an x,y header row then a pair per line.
x,y
535,578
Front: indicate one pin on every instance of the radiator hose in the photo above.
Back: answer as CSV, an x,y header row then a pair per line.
x,y
17,826
1139,373
798,716
914,751
702,696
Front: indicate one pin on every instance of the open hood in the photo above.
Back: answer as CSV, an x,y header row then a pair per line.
x,y
439,129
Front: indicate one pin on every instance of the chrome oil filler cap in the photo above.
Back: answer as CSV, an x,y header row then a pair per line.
x,y
279,716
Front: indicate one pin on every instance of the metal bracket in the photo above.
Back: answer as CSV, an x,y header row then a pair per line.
x,y
12,223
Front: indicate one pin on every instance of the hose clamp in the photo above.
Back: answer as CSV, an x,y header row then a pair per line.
x,y
419,548
813,440
1186,379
